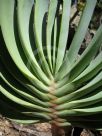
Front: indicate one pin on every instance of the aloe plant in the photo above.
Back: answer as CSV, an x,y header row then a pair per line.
x,y
40,80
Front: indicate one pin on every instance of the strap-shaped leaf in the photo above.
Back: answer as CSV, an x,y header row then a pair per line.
x,y
63,33
81,31
9,67
41,115
89,111
92,85
37,92
79,36
85,58
56,33
18,77
80,112
72,54
40,9
17,100
24,121
50,23
82,102
7,27
54,45
94,67
14,115
24,11
20,90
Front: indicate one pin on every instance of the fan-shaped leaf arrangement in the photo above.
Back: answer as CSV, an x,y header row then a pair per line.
x,y
41,81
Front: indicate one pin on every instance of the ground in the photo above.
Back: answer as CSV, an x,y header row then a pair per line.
x,y
8,128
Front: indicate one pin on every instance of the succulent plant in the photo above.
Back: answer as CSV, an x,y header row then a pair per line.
x,y
40,79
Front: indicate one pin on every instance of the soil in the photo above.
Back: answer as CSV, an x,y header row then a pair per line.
x,y
8,128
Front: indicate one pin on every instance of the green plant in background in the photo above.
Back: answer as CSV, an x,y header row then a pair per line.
x,y
40,80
